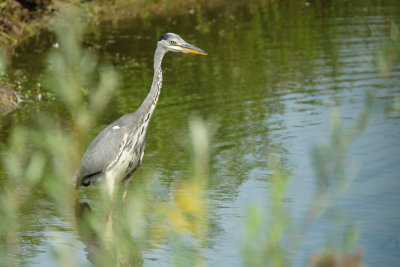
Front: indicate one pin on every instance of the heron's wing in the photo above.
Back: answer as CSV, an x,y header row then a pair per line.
x,y
106,146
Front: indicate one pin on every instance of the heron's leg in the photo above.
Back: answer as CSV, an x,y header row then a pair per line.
x,y
110,185
126,185
109,226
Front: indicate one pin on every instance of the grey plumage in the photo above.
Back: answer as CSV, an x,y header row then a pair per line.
x,y
117,151
106,147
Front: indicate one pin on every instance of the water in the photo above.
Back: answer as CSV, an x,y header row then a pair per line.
x,y
272,77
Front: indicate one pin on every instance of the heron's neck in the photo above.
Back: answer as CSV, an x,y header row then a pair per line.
x,y
147,107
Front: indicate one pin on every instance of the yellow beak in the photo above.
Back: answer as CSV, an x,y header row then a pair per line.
x,y
192,49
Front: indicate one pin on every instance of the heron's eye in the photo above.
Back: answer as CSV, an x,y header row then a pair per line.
x,y
172,42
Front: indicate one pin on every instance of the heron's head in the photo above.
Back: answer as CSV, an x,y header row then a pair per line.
x,y
173,42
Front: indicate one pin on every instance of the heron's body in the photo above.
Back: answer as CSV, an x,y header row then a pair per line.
x,y
117,151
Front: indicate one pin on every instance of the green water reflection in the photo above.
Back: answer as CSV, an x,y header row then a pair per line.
x,y
273,72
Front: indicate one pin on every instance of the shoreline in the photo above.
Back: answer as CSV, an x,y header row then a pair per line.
x,y
18,21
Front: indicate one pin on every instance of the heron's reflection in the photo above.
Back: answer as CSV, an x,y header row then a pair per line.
x,y
103,245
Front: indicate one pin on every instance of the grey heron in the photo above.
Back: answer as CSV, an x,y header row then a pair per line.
x,y
117,151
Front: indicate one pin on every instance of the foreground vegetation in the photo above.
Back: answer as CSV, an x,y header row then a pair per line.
x,y
43,159
40,161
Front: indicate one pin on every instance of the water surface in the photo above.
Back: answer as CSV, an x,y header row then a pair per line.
x,y
272,77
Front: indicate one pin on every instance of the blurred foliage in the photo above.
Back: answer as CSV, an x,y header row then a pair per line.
x,y
278,243
264,243
42,159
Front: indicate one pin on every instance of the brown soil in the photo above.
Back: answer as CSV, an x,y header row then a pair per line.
x,y
19,18
8,99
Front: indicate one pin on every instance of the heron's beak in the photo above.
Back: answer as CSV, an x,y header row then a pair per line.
x,y
188,48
